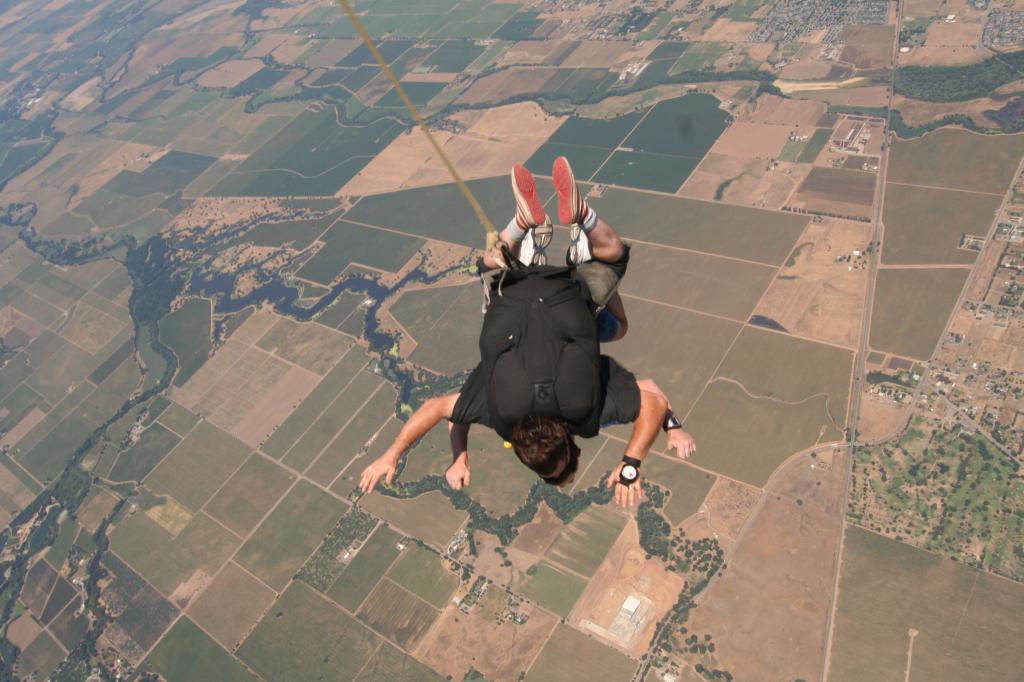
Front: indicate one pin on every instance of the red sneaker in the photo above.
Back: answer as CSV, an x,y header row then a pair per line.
x,y
572,209
529,211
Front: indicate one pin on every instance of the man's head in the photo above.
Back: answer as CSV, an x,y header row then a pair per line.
x,y
545,445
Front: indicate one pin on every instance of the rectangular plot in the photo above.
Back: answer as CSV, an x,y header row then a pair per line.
x,y
198,466
589,660
422,572
582,544
684,126
308,345
293,530
911,309
41,657
688,486
430,517
63,369
231,605
188,653
346,243
144,614
749,233
397,614
454,56
585,160
135,463
316,402
606,133
249,494
370,419
659,172
924,225
343,410
453,342
705,283
552,588
965,621
47,459
390,663
308,638
366,569
983,163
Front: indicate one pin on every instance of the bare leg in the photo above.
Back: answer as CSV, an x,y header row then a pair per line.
x,y
605,242
618,310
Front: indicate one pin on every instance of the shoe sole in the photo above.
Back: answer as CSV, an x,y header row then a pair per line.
x,y
524,188
568,192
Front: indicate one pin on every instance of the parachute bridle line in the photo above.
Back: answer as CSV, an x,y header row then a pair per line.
x,y
485,222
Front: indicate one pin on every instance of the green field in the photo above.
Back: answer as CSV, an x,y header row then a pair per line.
x,y
429,517
967,620
700,56
438,212
590,660
41,657
760,435
911,309
354,417
452,344
418,93
582,544
983,163
585,160
178,419
167,561
605,133
552,588
187,332
814,145
231,605
792,370
454,56
658,172
249,494
421,572
366,569
701,226
347,243
167,175
924,225
305,637
186,653
316,402
293,530
705,283
390,664
688,486
198,466
397,614
684,126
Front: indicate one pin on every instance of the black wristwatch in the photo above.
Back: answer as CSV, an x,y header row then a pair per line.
x,y
671,423
630,471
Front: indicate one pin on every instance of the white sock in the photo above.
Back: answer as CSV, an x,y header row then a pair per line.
x,y
590,222
513,232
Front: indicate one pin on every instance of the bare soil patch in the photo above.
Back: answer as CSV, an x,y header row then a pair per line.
x,y
784,111
744,181
725,510
768,609
817,297
879,417
760,140
21,429
230,73
865,96
729,31
22,631
624,573
274,406
598,53
809,69
536,537
505,84
533,52
938,55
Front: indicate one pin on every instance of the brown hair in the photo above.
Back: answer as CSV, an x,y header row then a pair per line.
x,y
542,443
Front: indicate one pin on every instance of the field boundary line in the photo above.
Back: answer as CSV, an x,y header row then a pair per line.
x,y
945,189
593,460
712,472
380,385
926,266
611,152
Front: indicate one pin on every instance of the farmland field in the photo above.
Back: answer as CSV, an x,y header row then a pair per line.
x,y
688,486
911,309
962,620
552,588
925,225
590,659
306,637
231,605
422,572
397,614
429,517
187,653
187,332
646,171
983,163
249,494
281,544
582,544
366,569
347,243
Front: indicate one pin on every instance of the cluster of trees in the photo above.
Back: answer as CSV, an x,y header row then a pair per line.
x,y
958,83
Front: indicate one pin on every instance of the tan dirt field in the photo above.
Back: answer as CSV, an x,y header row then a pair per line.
x,y
536,537
783,111
879,418
984,268
14,493
824,300
230,73
916,112
597,53
505,84
494,141
759,51
83,95
327,56
626,572
274,406
532,52
768,609
867,96
729,31
22,631
806,69
499,650
760,140
726,508
922,8
431,77
21,429
960,33
943,56
751,182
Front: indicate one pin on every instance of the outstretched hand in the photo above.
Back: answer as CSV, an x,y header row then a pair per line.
x,y
385,467
682,442
457,474
625,495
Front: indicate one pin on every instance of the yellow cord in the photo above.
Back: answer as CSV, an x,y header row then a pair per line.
x,y
492,234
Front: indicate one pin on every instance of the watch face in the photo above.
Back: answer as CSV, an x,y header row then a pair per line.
x,y
629,472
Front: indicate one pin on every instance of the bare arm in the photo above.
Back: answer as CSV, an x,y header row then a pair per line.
x,y
457,474
678,440
422,420
645,430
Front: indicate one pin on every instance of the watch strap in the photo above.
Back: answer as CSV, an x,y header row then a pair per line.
x,y
671,422
632,461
